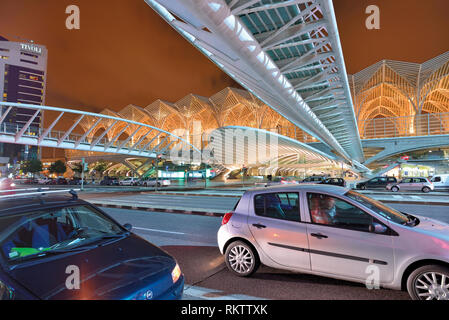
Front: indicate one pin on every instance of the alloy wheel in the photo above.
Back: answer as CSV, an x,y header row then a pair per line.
x,y
432,286
241,259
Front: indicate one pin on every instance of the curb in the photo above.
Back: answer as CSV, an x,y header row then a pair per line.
x,y
197,195
167,210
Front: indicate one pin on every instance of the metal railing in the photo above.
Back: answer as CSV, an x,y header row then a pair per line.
x,y
66,131
408,126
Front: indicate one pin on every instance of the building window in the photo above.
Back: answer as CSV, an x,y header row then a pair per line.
x,y
28,61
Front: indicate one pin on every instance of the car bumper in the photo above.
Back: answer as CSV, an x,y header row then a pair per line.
x,y
175,292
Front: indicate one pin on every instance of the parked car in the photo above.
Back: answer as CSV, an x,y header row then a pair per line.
x,y
74,181
376,183
339,233
46,239
129,181
58,181
276,181
440,181
151,182
314,179
412,184
109,181
44,180
335,182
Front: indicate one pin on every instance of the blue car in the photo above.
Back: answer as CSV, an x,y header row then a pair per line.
x,y
61,247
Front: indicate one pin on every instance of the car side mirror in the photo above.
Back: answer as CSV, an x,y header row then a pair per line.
x,y
128,226
378,228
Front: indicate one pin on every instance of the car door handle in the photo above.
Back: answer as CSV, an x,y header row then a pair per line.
x,y
259,226
318,235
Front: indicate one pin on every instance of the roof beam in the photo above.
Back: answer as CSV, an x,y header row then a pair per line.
x,y
296,63
274,6
271,38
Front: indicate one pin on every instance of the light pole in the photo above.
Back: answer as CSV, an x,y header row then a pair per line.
x,y
82,174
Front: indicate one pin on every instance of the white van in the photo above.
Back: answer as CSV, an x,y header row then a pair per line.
x,y
441,181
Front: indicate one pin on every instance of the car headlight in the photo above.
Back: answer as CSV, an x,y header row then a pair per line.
x,y
176,273
5,292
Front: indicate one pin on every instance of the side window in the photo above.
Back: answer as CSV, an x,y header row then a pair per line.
x,y
408,180
283,206
375,180
383,180
391,179
328,210
436,179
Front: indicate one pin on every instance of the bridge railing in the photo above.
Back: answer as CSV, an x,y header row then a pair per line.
x,y
23,124
408,126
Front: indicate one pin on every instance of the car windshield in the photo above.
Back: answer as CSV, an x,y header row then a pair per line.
x,y
38,234
378,207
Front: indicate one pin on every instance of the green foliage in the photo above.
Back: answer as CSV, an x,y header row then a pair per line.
x,y
33,166
58,167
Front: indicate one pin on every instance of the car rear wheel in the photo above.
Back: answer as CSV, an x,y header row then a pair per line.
x,y
429,282
426,189
241,259
395,189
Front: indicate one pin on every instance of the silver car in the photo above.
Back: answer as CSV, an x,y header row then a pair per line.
x,y
339,233
412,184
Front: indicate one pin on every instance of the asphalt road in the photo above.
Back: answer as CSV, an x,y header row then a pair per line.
x,y
191,240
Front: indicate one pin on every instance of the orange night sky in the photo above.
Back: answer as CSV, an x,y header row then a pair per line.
x,y
125,53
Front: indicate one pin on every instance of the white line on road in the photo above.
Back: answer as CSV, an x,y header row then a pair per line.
x,y
155,230
211,294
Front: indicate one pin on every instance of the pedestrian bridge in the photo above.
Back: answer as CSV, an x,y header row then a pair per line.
x,y
86,131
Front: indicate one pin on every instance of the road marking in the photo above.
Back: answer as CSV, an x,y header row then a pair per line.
x,y
211,294
416,197
155,230
398,197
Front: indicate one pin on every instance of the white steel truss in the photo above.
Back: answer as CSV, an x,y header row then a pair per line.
x,y
287,53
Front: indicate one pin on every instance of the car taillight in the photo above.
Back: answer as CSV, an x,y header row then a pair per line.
x,y
226,218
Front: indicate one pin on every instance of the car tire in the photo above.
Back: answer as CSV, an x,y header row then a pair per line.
x,y
395,189
362,187
425,283
426,189
241,259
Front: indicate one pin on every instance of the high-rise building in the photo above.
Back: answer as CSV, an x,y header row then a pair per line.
x,y
23,68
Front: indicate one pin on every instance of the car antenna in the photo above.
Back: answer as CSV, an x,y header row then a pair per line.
x,y
74,194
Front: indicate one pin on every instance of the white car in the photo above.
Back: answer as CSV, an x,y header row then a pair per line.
x,y
129,182
152,183
336,232
44,180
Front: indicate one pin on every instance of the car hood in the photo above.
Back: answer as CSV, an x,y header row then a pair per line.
x,y
432,228
120,269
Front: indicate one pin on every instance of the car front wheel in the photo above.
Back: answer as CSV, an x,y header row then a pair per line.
x,y
395,189
429,282
241,259
426,189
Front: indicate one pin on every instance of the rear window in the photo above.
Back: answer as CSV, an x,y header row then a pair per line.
x,y
282,205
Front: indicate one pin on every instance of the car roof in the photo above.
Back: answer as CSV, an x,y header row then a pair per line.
x,y
298,187
10,206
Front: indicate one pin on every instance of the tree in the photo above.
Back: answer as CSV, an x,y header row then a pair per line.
x,y
78,168
58,167
33,166
101,167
